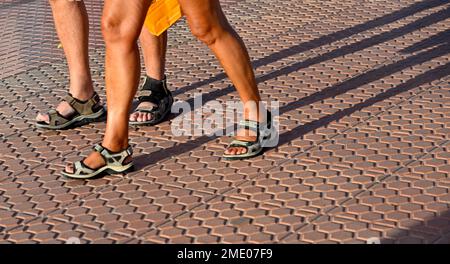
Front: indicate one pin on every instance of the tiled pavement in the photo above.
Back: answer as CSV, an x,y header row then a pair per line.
x,y
364,149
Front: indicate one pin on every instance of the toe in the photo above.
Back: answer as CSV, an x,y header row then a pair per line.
x,y
233,151
138,117
141,117
69,168
42,118
133,117
239,151
148,117
228,151
243,150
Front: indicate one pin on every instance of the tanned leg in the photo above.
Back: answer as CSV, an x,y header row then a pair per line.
x,y
121,25
72,27
154,53
209,24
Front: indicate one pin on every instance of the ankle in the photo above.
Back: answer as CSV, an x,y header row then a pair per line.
x,y
156,82
254,111
115,145
82,90
158,87
156,77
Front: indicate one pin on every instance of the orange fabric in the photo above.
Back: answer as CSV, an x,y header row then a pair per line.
x,y
161,15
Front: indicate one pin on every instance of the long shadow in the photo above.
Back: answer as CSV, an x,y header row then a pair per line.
x,y
427,77
441,48
437,228
327,39
14,3
435,46
348,49
441,37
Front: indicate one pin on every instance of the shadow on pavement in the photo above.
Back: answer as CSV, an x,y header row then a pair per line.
x,y
438,46
434,230
441,48
348,49
336,36
15,3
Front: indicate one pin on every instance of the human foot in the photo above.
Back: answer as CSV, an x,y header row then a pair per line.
x,y
249,140
155,102
71,111
242,134
99,161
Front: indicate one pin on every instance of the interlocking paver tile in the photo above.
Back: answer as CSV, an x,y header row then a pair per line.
x,y
45,230
131,207
227,220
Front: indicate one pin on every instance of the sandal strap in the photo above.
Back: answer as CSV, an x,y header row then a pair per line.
x,y
151,92
162,102
159,108
241,143
256,126
55,118
150,111
80,168
251,146
83,107
112,158
249,125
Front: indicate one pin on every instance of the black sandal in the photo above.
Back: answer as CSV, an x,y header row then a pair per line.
x,y
155,92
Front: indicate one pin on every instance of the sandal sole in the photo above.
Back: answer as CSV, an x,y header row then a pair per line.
x,y
110,170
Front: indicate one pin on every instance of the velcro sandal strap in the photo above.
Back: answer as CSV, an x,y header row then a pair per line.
x,y
241,143
99,148
83,107
80,168
153,91
249,125
257,126
250,146
145,93
111,157
153,109
55,118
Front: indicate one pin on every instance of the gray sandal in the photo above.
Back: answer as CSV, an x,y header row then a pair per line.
x,y
263,133
84,112
114,163
158,94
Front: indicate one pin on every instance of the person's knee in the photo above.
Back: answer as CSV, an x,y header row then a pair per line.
x,y
116,30
204,32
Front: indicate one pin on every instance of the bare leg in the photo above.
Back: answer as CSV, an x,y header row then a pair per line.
x,y
71,21
121,25
154,53
209,24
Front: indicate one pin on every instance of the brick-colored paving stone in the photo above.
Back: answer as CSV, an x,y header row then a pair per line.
x,y
364,151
